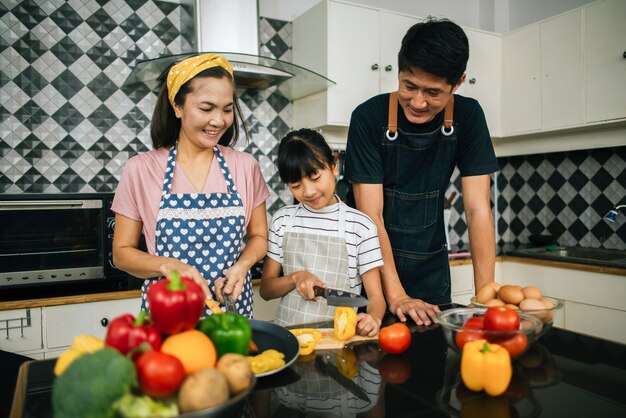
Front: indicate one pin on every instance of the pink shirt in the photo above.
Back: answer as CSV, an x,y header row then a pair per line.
x,y
138,193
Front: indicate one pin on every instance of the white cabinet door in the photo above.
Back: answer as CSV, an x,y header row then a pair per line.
x,y
605,63
63,323
521,87
594,320
462,283
393,27
484,75
562,102
353,61
20,330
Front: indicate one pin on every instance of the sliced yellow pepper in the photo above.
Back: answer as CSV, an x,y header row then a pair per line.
x,y
347,363
266,361
345,323
307,338
486,367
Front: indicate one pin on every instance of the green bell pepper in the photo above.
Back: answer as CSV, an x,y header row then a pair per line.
x,y
229,332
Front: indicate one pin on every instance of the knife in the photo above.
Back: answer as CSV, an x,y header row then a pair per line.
x,y
325,365
336,297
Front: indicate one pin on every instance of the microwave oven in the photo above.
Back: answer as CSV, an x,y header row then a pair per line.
x,y
55,239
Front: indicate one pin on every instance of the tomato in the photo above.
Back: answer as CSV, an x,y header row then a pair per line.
x,y
464,337
500,318
514,345
394,369
395,338
477,322
159,374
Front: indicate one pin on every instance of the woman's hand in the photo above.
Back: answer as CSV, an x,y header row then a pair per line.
x,y
367,325
304,283
232,282
421,312
187,271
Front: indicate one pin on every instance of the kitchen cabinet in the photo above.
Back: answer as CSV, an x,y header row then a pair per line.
x,y
595,303
352,45
542,76
605,60
462,283
62,323
21,330
484,75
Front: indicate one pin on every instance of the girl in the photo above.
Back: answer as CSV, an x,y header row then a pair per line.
x,y
320,241
193,196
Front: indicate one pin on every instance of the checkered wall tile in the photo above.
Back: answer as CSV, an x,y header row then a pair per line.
x,y
564,195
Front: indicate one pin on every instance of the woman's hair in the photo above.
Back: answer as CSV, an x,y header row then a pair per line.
x,y
165,126
438,47
301,154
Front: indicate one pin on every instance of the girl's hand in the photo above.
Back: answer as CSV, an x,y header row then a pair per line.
x,y
367,325
232,283
187,271
304,283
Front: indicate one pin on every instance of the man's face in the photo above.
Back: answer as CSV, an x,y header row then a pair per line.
x,y
422,95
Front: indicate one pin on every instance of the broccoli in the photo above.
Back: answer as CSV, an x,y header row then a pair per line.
x,y
137,406
91,385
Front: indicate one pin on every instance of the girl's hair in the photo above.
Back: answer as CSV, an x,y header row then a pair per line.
x,y
165,126
302,153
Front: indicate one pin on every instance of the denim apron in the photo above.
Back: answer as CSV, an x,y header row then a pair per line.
x,y
323,255
202,230
417,169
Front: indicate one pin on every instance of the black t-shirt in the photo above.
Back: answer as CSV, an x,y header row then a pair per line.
x,y
474,154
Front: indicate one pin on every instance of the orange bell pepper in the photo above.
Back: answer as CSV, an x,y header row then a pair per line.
x,y
486,367
345,323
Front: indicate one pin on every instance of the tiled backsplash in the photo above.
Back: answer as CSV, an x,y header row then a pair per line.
x,y
68,125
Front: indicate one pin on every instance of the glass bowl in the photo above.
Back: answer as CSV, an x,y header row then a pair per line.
x,y
546,316
452,321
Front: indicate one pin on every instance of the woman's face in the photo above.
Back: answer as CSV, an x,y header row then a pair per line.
x,y
318,190
208,111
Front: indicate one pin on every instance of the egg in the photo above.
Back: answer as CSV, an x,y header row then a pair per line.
x,y
510,294
531,292
494,302
511,306
533,307
487,292
497,286
547,303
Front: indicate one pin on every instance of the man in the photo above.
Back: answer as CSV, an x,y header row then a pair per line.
x,y
400,164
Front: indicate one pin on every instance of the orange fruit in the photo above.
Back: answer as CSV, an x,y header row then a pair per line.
x,y
193,348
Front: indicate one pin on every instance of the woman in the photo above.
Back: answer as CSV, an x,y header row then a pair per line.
x,y
193,196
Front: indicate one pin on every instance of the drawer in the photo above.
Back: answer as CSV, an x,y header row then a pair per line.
x,y
21,330
63,323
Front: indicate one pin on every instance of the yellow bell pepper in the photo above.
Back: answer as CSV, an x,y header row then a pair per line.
x,y
307,338
345,323
347,363
82,344
486,367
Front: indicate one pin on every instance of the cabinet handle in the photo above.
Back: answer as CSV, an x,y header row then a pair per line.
x,y
388,67
624,54
374,67
104,322
472,80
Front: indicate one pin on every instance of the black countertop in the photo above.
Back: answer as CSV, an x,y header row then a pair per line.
x,y
565,374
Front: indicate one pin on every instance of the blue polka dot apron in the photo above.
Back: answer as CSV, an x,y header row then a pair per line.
x,y
202,230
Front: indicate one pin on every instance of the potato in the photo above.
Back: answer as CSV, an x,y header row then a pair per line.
x,y
203,389
237,371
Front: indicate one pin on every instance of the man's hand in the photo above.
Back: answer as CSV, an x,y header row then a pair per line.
x,y
421,312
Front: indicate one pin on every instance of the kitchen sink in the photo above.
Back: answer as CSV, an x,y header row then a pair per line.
x,y
595,256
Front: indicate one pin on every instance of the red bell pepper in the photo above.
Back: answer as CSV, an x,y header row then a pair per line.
x,y
126,333
175,303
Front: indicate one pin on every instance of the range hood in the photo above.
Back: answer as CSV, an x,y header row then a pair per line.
x,y
230,28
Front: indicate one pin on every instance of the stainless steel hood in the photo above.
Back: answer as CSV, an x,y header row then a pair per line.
x,y
230,28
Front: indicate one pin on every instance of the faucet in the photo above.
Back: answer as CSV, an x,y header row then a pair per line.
x,y
613,213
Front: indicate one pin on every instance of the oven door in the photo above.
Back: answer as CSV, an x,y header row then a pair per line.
x,y
44,241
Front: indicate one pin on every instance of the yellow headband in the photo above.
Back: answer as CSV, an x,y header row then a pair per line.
x,y
191,67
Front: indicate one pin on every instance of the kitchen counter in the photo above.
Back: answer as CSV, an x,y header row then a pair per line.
x,y
564,374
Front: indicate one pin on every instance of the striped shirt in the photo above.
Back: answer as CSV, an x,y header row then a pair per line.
x,y
361,235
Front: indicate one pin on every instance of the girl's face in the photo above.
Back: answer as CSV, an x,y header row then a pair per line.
x,y
208,111
316,191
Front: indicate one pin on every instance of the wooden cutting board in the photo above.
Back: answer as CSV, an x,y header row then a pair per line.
x,y
330,342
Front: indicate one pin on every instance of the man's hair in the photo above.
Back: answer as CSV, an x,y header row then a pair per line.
x,y
438,47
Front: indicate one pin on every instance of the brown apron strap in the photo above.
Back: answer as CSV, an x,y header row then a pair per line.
x,y
448,114
392,120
